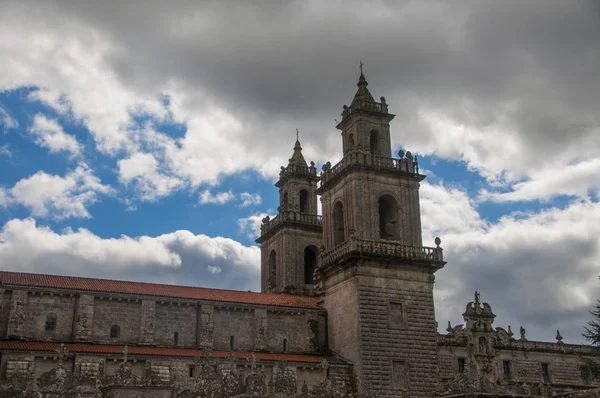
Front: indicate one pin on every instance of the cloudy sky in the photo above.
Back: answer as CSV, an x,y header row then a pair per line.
x,y
141,140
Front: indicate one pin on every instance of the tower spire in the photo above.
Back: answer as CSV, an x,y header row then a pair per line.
x,y
297,158
362,94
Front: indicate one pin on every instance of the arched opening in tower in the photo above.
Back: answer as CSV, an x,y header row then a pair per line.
x,y
339,235
285,200
374,142
351,141
388,218
303,201
310,263
272,269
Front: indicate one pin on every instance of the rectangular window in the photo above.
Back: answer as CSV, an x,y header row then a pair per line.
x,y
399,379
396,314
191,370
545,373
506,367
461,365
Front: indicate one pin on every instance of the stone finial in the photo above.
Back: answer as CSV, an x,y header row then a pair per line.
x,y
401,154
559,338
477,296
510,332
449,328
62,352
523,331
409,156
437,241
125,351
252,360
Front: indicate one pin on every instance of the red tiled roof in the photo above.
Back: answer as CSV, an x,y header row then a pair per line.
x,y
153,351
154,289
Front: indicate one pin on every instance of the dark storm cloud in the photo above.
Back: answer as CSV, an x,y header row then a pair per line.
x,y
530,67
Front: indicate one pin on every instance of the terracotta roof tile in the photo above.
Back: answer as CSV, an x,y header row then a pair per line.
x,y
154,289
154,351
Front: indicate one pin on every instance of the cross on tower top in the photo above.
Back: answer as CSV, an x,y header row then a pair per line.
x,y
361,66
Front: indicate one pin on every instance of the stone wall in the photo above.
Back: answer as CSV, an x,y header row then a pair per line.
x,y
398,332
173,318
39,306
525,364
126,314
150,322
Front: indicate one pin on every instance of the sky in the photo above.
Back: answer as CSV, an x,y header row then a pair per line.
x,y
141,140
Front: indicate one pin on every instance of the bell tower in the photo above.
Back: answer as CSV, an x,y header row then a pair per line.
x,y
374,276
290,241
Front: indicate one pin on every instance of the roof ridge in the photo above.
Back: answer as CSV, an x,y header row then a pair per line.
x,y
53,281
137,282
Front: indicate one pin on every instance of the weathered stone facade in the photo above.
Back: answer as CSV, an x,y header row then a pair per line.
x,y
347,307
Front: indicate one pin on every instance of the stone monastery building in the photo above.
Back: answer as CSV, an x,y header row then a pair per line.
x,y
346,307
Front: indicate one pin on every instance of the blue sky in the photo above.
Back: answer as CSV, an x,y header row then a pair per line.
x,y
145,145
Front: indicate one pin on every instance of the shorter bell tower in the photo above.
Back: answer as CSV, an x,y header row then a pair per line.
x,y
290,241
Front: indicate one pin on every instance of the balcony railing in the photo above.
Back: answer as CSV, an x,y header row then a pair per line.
x,y
365,105
298,169
381,248
406,164
289,216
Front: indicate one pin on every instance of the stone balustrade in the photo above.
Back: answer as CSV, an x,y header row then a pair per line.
x,y
403,164
380,248
290,216
365,105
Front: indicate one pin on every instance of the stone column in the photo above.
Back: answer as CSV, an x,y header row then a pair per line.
x,y
16,318
260,330
205,327
147,322
84,317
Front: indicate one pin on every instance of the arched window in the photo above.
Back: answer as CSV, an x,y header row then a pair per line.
x,y
176,339
273,269
351,141
303,201
388,218
374,142
115,331
284,345
231,343
285,200
310,263
50,323
339,234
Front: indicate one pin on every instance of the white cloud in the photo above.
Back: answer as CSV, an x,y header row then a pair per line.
x,y
8,122
142,170
578,179
5,150
536,269
249,199
47,195
214,269
251,225
49,134
25,246
220,198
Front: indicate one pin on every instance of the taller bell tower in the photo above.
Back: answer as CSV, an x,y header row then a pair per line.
x,y
374,276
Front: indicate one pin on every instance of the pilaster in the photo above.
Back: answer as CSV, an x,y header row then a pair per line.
x,y
16,319
148,321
